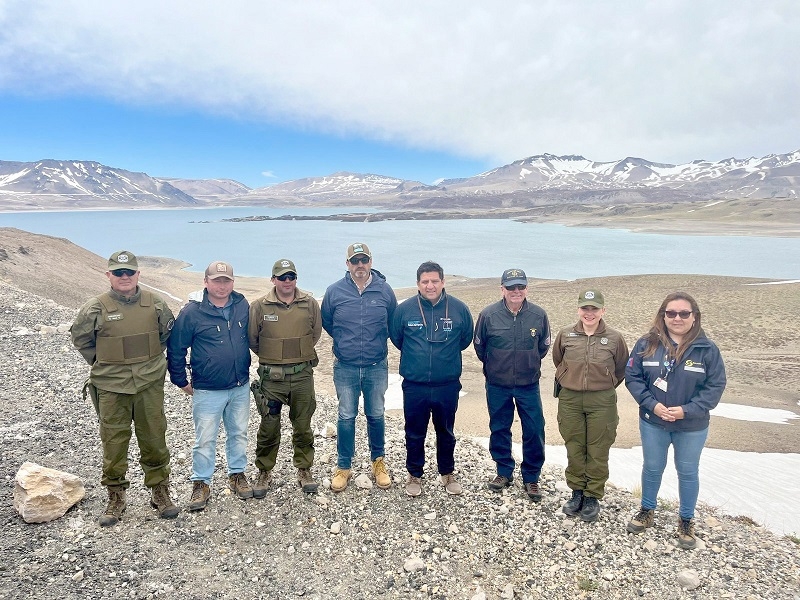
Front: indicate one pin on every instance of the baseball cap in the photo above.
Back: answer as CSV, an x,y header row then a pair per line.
x,y
357,248
219,269
513,277
122,260
282,266
591,298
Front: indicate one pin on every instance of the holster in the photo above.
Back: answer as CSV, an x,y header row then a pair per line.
x,y
556,388
91,391
261,402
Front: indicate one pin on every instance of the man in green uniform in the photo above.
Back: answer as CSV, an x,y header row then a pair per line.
x,y
284,327
122,334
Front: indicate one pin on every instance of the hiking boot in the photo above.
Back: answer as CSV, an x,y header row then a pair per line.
x,y
641,520
499,483
532,489
116,506
590,509
306,481
261,484
239,485
381,475
450,484
340,479
201,492
160,500
573,506
413,486
686,537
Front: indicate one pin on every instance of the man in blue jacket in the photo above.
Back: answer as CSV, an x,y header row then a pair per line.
x,y
356,312
430,330
216,331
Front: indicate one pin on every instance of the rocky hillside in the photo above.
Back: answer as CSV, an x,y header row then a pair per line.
x,y
364,543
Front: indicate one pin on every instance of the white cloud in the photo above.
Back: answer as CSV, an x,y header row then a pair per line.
x,y
668,81
269,174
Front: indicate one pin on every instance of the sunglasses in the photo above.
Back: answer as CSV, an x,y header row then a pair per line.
x,y
363,260
286,277
516,288
683,314
121,272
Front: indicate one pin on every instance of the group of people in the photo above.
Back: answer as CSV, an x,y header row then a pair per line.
x,y
674,372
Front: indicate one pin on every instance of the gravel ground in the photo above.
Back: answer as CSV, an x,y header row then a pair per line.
x,y
362,543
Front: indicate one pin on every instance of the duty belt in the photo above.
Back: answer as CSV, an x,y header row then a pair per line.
x,y
287,369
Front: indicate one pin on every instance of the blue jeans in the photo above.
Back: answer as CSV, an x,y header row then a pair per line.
x,y
232,407
351,382
500,401
421,401
687,446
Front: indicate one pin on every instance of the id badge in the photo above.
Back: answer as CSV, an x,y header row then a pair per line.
x,y
661,384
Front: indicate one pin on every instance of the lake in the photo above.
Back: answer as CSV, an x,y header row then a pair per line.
x,y
473,248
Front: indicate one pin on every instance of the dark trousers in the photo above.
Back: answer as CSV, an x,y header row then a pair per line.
x,y
421,401
501,415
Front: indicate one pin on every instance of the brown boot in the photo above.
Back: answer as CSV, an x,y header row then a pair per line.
x,y
116,506
161,501
306,481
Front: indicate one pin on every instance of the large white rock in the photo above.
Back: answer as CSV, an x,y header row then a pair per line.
x,y
42,494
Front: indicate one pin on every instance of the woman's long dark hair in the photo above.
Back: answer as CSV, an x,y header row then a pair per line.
x,y
659,336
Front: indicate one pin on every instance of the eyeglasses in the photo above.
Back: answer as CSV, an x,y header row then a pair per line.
x,y
286,277
516,288
122,272
683,314
363,260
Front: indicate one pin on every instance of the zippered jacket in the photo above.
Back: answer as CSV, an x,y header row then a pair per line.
x,y
589,363
359,323
511,347
695,383
431,340
220,357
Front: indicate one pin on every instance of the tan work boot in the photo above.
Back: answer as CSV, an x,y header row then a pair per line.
x,y
161,501
201,492
306,481
116,506
340,479
641,520
381,475
261,484
240,486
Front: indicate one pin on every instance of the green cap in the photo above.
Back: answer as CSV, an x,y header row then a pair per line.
x,y
123,260
282,266
591,298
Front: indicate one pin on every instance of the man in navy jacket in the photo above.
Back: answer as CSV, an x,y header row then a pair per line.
x,y
356,312
216,331
431,329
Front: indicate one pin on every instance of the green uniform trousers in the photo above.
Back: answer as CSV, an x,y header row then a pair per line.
x,y
145,409
297,391
588,423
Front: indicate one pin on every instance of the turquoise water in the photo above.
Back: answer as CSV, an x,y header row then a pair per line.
x,y
474,248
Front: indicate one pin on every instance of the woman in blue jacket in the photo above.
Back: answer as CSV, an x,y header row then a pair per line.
x,y
676,375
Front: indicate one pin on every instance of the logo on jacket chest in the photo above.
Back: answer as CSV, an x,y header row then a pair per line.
x,y
533,332
114,317
270,317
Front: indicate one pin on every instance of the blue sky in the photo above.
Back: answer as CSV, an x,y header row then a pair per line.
x,y
273,91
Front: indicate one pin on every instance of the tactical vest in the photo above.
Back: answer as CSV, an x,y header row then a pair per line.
x,y
285,335
129,333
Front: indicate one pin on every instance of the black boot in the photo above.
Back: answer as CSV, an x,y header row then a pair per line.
x,y
573,506
590,509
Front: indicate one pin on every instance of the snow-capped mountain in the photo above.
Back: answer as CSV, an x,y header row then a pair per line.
x,y
776,175
342,184
87,183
